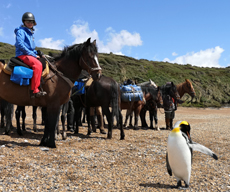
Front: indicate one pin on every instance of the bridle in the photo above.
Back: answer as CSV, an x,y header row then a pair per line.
x,y
87,66
191,92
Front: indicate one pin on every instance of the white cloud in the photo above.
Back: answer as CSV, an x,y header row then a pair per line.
x,y
49,43
174,54
1,31
80,31
114,43
203,58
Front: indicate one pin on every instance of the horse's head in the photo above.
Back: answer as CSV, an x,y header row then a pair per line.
x,y
89,59
173,90
159,96
187,86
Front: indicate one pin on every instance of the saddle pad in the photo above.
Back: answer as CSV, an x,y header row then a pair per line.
x,y
8,70
21,75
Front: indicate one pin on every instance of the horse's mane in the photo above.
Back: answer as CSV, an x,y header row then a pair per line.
x,y
150,89
74,52
165,89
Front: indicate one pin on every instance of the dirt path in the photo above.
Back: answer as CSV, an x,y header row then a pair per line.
x,y
83,163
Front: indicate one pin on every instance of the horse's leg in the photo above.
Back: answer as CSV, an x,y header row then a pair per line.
x,y
100,120
48,138
87,112
77,119
23,118
2,113
142,117
167,120
151,118
156,119
43,111
130,119
35,118
17,116
121,126
128,112
63,117
57,128
70,116
84,114
137,114
9,115
110,120
92,119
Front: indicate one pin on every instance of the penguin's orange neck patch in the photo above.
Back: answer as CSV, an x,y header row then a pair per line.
x,y
176,130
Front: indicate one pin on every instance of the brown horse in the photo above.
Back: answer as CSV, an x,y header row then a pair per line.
x,y
150,93
186,87
58,83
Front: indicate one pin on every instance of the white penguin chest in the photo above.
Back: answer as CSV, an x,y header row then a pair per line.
x,y
179,156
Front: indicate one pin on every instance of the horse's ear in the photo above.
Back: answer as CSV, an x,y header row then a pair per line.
x,y
88,41
94,42
172,83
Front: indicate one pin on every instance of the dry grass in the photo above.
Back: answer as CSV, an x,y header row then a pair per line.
x,y
94,163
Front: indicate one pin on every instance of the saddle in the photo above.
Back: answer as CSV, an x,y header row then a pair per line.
x,y
14,61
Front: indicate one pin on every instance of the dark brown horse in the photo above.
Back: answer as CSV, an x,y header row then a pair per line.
x,y
58,83
168,89
105,93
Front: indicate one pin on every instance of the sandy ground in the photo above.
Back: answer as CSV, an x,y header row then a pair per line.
x,y
94,163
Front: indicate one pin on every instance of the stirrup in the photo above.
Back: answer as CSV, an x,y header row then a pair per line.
x,y
38,94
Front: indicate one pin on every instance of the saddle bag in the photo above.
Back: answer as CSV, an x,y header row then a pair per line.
x,y
78,88
21,75
131,93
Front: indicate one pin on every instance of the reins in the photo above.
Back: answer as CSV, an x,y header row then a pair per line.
x,y
70,83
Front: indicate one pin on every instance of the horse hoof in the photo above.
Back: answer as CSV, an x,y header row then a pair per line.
x,y
19,133
89,133
7,132
109,136
71,130
122,137
51,145
102,131
64,136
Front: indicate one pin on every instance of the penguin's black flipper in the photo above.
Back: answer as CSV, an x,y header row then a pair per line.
x,y
168,166
202,149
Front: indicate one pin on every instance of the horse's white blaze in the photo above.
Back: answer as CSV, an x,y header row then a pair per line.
x,y
95,57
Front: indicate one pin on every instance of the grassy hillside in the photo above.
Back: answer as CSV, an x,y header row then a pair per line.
x,y
212,85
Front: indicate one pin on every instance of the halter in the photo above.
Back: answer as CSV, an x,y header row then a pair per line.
x,y
190,91
90,69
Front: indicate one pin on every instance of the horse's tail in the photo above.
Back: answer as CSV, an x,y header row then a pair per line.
x,y
115,101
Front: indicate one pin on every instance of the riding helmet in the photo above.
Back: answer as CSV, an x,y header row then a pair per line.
x,y
28,17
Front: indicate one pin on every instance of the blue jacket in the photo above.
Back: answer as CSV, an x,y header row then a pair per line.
x,y
24,42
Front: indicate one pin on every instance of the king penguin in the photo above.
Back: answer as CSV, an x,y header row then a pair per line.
x,y
179,154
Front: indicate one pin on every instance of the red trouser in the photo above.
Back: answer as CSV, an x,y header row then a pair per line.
x,y
36,65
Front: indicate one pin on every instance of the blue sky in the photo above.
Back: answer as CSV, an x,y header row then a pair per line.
x,y
196,32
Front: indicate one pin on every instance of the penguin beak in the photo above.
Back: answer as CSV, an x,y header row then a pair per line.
x,y
188,135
